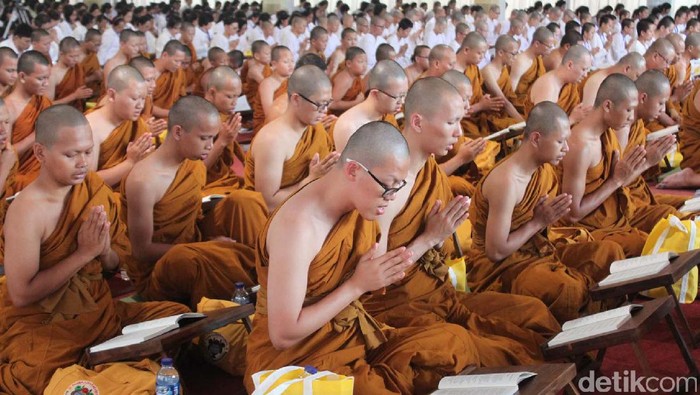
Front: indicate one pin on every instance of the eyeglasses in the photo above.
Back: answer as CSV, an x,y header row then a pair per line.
x,y
388,191
548,46
319,106
510,53
666,61
400,97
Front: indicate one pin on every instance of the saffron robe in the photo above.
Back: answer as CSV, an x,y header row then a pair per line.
x,y
672,74
53,333
560,276
72,80
220,173
113,149
23,128
486,122
90,65
352,92
690,132
169,88
522,91
250,86
503,336
192,268
382,360
568,99
259,112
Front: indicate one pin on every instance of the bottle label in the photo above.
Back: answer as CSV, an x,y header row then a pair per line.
x,y
168,389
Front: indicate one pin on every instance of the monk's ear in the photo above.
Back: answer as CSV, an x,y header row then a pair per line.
x,y
643,97
176,132
111,93
39,152
416,122
350,169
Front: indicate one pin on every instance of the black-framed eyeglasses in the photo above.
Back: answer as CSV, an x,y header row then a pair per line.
x,y
401,97
668,63
319,106
388,191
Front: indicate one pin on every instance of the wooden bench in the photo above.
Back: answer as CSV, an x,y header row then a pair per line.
x,y
551,377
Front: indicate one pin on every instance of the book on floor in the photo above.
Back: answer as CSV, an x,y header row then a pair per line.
x,y
139,333
482,384
594,325
633,268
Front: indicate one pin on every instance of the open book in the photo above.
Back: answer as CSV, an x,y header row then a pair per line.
x,y
594,325
482,384
517,126
632,268
662,133
139,333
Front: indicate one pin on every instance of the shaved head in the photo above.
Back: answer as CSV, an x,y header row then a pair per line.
x,y
67,44
654,83
542,34
504,42
307,80
54,118
577,53
141,62
221,76
440,52
384,73
473,40
189,111
456,79
374,143
634,60
30,59
429,96
6,53
692,40
677,41
616,88
546,118
663,47
121,77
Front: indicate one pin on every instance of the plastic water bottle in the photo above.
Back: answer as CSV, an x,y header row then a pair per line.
x,y
167,380
240,295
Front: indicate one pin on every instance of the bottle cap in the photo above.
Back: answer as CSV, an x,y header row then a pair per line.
x,y
166,362
240,284
310,369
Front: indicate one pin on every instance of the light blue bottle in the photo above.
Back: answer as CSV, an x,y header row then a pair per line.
x,y
167,380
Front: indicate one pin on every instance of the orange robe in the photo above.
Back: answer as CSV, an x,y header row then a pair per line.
x,y
672,74
560,277
690,132
72,80
169,87
568,99
425,295
484,123
522,91
610,220
90,65
314,140
192,268
256,106
7,192
463,180
53,333
250,86
23,128
220,174
352,92
113,149
381,359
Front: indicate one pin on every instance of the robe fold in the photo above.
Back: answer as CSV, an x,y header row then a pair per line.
x,y
72,80
90,65
486,122
522,91
463,180
53,333
558,276
250,86
24,126
568,99
426,295
351,94
169,88
192,268
314,140
258,111
381,359
113,148
690,132
672,74
610,220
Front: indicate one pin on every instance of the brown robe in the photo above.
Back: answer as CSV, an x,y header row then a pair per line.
x,y
24,126
72,80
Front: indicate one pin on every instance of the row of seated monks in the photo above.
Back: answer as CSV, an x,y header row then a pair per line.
x,y
345,220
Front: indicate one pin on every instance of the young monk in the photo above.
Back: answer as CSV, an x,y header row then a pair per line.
x,y
347,83
528,66
422,217
272,87
440,59
419,63
308,309
89,61
348,38
596,172
387,87
24,103
255,70
631,65
170,85
8,69
318,40
294,149
554,58
63,232
67,81
128,48
560,85
215,57
148,72
161,198
513,212
120,135
497,78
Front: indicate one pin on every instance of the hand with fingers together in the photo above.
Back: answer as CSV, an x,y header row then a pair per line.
x,y
657,149
139,148
630,167
230,129
155,126
442,223
375,272
318,167
93,236
549,210
469,150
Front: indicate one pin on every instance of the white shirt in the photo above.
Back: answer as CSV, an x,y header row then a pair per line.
x,y
222,42
66,28
109,47
431,39
79,32
201,42
163,39
369,43
492,34
397,43
618,48
10,44
333,43
291,41
639,47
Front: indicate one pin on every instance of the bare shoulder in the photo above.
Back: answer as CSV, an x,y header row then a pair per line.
x,y
498,180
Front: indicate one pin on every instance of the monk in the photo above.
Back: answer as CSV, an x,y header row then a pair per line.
x,y
272,87
560,85
161,198
596,172
89,62
418,219
440,59
223,89
313,315
170,85
62,233
513,212
128,48
661,56
215,57
318,40
528,66
387,87
8,165
347,83
67,81
631,65
497,77
336,62
148,72
553,59
255,70
8,69
419,63
24,103
119,132
294,149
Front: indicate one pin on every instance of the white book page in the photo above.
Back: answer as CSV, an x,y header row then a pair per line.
x,y
662,133
633,263
484,380
602,316
588,331
130,338
160,322
630,274
478,391
209,198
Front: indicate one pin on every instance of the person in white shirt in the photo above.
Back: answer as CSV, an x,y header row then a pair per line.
x,y
370,41
228,38
268,30
645,37
333,35
482,28
243,43
461,31
362,27
401,43
144,24
110,42
171,32
437,36
81,29
493,25
294,38
201,36
21,40
517,31
70,20
455,19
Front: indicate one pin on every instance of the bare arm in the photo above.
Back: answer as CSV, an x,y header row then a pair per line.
x,y
491,82
25,144
340,88
141,199
227,135
160,112
517,70
467,152
8,158
266,96
135,151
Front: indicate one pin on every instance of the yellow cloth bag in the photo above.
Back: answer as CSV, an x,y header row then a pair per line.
x,y
672,234
225,347
458,273
295,380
